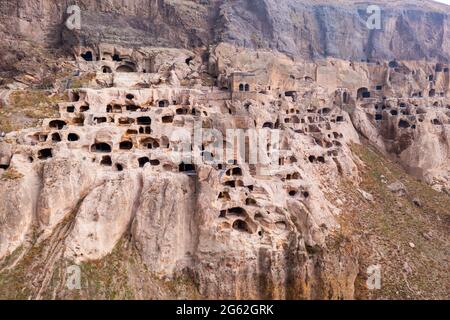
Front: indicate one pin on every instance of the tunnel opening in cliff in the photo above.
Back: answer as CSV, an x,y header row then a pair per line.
x,y
150,143
144,121
237,211
87,56
106,161
5,163
403,124
241,225
116,58
101,147
126,145
126,121
187,168
125,69
163,103
106,69
155,162
363,93
393,64
132,108
225,195
45,154
100,120
268,125
73,137
167,119
143,161
56,137
57,124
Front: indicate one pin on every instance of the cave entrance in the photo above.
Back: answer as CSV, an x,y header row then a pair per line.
x,y
150,143
56,137
106,161
132,108
155,162
403,124
163,103
126,121
100,120
57,124
45,154
167,119
187,168
117,108
237,211
143,161
87,56
290,93
363,93
73,137
144,121
126,145
125,69
241,225
106,69
268,125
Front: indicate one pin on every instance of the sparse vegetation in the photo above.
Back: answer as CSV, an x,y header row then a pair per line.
x,y
82,81
384,229
116,276
11,174
28,108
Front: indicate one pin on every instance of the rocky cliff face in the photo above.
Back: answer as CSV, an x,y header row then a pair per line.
x,y
322,184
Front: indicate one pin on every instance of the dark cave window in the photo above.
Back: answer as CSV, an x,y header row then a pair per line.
x,y
101,147
45,154
73,137
57,124
106,161
142,161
